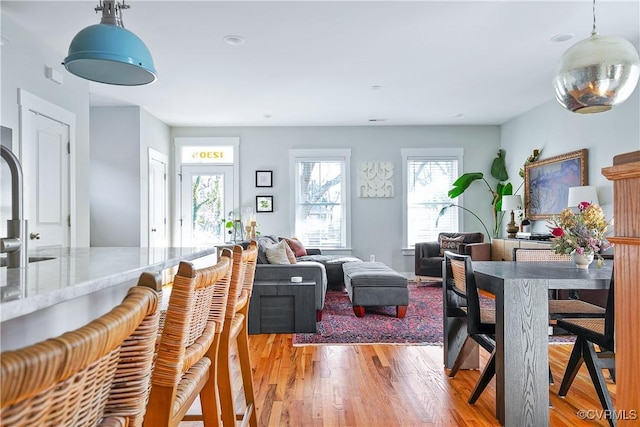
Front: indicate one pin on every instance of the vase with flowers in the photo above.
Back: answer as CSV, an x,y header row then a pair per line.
x,y
580,234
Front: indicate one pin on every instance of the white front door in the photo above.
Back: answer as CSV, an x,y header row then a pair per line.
x,y
206,201
157,200
45,154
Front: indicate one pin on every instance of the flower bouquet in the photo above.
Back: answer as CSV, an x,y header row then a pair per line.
x,y
581,232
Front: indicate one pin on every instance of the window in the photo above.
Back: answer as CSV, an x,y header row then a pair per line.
x,y
321,217
428,175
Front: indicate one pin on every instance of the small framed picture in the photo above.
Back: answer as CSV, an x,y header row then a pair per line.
x,y
264,178
264,203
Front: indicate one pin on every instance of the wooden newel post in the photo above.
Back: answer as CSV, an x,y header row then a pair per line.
x,y
625,174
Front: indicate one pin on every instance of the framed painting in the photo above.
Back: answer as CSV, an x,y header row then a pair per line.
x,y
264,178
264,203
547,183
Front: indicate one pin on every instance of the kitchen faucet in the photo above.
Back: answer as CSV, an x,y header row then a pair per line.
x,y
15,244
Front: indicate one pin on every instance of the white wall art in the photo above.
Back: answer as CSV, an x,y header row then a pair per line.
x,y
376,179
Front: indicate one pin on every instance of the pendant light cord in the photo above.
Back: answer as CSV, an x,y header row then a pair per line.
x,y
593,30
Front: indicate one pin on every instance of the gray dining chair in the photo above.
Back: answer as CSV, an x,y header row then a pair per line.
x,y
558,308
590,332
481,322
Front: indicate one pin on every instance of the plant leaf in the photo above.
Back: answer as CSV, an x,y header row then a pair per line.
x,y
442,212
498,169
463,182
503,190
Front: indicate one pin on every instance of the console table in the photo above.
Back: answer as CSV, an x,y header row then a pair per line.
x,y
502,249
282,307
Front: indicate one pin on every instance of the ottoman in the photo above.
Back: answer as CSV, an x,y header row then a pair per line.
x,y
374,283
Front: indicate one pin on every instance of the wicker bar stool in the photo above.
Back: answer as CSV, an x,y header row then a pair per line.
x,y
97,375
235,330
187,347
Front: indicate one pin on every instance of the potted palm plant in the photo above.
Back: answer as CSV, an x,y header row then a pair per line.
x,y
503,188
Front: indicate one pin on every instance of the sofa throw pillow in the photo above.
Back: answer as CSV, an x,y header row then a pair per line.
x,y
277,253
290,254
263,242
297,247
450,244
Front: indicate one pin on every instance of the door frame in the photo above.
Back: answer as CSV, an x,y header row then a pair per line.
x,y
29,102
162,158
211,141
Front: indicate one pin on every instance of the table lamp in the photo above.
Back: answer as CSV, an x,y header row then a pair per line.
x,y
511,203
585,193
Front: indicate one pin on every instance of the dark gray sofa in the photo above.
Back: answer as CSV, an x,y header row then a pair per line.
x,y
325,270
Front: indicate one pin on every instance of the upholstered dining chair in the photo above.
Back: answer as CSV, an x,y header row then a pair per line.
x,y
481,322
590,332
235,331
96,375
188,344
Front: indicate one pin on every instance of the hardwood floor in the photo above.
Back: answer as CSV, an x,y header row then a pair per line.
x,y
387,385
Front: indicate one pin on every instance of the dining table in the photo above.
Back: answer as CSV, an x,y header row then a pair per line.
x,y
522,337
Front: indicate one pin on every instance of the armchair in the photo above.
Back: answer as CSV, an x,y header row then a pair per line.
x,y
430,255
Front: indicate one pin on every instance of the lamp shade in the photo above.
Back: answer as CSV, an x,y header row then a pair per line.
x,y
597,73
585,193
511,203
110,54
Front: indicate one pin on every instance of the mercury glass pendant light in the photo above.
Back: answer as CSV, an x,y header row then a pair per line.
x,y
597,73
109,53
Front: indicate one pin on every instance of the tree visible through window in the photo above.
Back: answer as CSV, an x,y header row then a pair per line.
x,y
320,200
428,181
207,220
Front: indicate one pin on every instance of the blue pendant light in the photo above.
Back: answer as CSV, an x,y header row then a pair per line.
x,y
109,53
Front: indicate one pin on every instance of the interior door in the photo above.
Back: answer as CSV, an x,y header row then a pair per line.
x,y
46,163
157,202
206,201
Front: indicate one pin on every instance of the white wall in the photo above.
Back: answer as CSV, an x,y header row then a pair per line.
x,y
120,142
558,131
24,59
115,176
376,223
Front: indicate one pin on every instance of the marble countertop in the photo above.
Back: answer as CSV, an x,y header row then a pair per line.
x,y
67,273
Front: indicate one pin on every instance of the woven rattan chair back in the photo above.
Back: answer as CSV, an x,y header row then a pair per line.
x,y
538,255
458,271
463,276
188,344
559,307
97,375
235,331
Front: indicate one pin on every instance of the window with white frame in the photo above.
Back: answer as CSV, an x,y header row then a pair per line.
x,y
428,176
321,199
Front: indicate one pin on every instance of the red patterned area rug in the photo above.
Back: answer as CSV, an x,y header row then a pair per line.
x,y
421,325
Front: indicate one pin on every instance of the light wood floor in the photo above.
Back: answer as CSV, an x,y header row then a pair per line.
x,y
386,385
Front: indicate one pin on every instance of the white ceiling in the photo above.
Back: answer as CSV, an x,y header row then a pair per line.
x,y
314,63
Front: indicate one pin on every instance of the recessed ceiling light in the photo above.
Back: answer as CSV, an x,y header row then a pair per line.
x,y
234,40
377,120
376,87
456,115
559,38
266,116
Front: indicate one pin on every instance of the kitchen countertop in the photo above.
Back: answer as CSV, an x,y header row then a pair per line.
x,y
74,272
